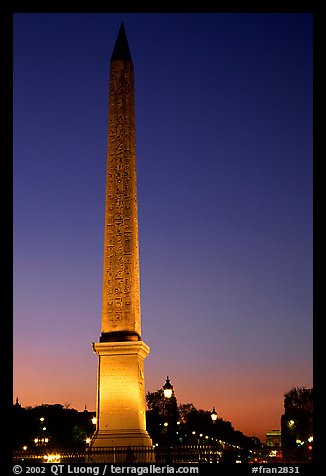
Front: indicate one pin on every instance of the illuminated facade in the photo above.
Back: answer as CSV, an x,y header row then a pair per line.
x,y
273,439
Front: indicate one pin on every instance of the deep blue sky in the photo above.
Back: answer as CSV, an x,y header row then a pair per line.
x,y
224,167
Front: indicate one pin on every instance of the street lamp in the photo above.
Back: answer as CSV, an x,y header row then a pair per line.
x,y
167,409
214,415
167,388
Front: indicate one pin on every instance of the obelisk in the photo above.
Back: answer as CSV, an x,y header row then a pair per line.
x,y
121,409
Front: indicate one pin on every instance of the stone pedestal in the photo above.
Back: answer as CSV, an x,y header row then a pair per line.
x,y
121,408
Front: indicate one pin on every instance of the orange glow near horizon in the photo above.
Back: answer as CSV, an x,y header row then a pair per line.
x,y
233,396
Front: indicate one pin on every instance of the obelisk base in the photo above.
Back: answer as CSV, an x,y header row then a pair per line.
x,y
120,438
121,408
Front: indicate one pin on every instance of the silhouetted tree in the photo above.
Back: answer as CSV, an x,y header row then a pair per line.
x,y
62,426
189,425
296,424
162,417
300,398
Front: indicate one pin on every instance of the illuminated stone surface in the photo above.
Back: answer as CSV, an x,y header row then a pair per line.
x,y
121,408
121,394
121,289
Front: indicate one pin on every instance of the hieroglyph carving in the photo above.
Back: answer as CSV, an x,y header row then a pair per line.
x,y
121,294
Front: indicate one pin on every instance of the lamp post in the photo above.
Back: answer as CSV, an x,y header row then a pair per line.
x,y
87,441
214,415
168,425
167,388
168,392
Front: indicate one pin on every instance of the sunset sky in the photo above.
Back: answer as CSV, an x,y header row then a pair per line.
x,y
224,172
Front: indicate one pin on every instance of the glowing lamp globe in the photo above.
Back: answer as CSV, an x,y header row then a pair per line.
x,y
167,388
